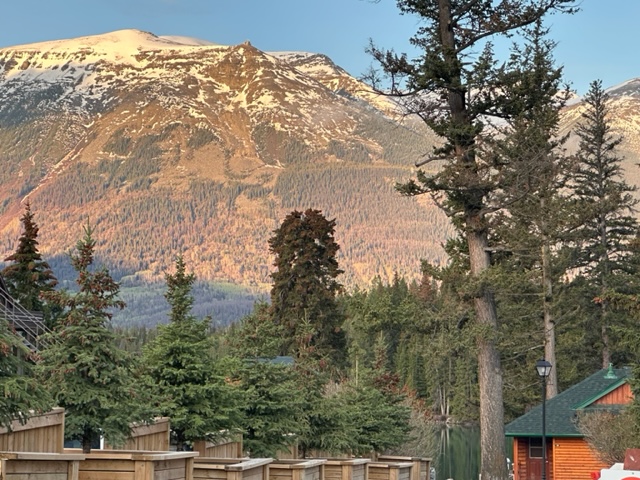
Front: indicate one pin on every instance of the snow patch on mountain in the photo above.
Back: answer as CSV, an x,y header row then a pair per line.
x,y
118,46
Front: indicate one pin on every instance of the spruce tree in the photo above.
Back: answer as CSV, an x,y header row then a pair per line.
x,y
303,296
82,367
255,336
273,416
28,275
179,362
454,95
20,393
536,219
607,204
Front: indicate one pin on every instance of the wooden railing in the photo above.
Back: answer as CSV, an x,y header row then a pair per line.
x,y
389,471
26,323
312,469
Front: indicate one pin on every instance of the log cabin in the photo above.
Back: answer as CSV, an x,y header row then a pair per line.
x,y
568,456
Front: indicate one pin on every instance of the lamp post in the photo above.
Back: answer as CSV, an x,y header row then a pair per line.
x,y
544,369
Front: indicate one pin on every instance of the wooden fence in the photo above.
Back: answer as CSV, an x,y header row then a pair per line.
x,y
122,465
231,469
389,471
297,469
346,469
230,448
42,433
152,437
39,466
421,465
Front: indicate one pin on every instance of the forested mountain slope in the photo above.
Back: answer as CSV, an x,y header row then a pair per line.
x,y
201,150
169,147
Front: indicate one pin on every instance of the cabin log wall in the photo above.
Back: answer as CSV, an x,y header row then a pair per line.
x,y
620,396
573,459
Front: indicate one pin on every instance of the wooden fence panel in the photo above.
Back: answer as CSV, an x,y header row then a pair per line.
x,y
421,465
39,466
121,465
390,471
231,448
153,437
346,469
42,433
231,469
297,470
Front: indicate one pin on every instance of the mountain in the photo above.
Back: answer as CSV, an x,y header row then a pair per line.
x,y
172,146
175,146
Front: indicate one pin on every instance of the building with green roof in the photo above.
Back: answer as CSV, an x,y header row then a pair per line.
x,y
568,455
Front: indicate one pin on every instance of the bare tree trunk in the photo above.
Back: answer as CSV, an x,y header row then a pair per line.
x,y
492,441
604,330
604,333
86,443
549,323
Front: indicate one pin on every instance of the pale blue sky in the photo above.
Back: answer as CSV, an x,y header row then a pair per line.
x,y
602,41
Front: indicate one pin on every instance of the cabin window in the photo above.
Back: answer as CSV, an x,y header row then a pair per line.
x,y
535,447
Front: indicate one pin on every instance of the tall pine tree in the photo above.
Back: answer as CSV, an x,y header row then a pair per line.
x,y
536,219
179,361
454,95
303,296
82,367
607,202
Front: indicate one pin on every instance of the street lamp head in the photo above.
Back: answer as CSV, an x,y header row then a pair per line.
x,y
543,367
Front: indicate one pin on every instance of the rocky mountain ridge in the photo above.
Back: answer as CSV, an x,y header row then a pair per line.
x,y
173,146
170,148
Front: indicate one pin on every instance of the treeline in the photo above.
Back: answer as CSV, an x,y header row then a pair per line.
x,y
209,380
211,223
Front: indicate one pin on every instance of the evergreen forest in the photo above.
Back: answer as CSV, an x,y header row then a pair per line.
x,y
541,261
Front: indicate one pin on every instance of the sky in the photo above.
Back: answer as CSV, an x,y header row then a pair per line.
x,y
602,41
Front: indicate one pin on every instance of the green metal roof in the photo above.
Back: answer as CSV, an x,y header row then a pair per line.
x,y
561,409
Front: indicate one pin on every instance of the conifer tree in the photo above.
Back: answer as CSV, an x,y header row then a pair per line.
x,y
607,204
82,367
454,95
200,403
537,216
303,296
357,420
273,417
20,393
255,336
28,275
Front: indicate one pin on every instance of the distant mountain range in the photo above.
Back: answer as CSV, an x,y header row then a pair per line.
x,y
170,145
